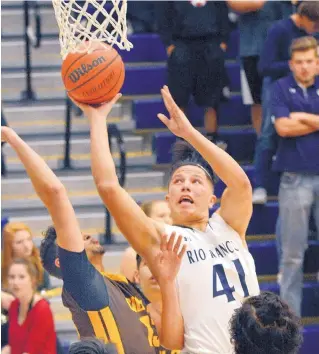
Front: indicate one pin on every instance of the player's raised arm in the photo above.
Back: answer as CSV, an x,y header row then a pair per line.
x,y
236,203
142,232
166,266
50,190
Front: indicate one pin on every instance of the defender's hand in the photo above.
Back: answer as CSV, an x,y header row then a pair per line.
x,y
168,260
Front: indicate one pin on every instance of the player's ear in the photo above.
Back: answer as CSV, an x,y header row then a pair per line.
x,y
57,262
136,277
167,198
212,201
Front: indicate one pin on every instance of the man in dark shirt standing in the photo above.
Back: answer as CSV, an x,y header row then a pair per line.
x,y
195,34
295,110
273,65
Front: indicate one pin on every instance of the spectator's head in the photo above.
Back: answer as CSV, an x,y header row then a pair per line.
x,y
23,278
304,59
308,12
191,185
264,324
146,280
49,251
17,243
92,346
158,210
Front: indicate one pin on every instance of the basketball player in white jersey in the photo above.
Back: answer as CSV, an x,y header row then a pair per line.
x,y
217,272
264,324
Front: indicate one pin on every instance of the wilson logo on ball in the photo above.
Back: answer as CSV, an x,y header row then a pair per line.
x,y
84,69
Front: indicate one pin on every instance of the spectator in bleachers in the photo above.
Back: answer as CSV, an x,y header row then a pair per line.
x,y
273,65
195,34
31,325
18,243
295,109
141,15
157,210
254,19
92,346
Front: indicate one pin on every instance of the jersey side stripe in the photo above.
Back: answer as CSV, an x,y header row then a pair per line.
x,y
98,326
115,337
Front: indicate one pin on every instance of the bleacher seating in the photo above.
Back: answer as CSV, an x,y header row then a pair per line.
x,y
145,75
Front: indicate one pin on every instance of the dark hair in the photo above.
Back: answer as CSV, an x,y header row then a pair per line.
x,y
92,346
49,253
138,260
184,154
309,9
265,324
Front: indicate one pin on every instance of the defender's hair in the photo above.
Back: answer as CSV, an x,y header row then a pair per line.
x,y
264,324
92,346
49,253
184,154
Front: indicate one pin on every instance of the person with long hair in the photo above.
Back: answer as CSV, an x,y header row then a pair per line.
x,y
17,243
31,325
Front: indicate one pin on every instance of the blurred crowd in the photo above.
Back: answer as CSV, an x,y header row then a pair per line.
x,y
279,78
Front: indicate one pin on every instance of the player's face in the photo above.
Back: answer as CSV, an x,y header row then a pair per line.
x,y
22,244
19,281
304,65
92,246
190,194
309,26
147,281
161,212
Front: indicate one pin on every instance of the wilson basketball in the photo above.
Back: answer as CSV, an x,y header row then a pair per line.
x,y
93,77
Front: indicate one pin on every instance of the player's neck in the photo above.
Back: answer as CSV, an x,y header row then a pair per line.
x,y
97,263
198,225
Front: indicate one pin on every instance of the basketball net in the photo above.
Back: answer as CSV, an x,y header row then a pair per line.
x,y
81,22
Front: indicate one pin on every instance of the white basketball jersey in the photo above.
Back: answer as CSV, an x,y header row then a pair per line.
x,y
217,273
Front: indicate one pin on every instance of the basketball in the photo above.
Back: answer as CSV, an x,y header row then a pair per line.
x,y
93,77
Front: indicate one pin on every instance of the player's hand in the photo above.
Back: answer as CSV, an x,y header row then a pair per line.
x,y
168,260
170,49
5,133
223,46
177,123
102,110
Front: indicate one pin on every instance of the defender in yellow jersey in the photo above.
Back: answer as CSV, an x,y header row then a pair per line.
x,y
111,308
104,305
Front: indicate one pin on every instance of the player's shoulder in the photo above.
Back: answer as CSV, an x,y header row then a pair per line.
x,y
115,277
127,288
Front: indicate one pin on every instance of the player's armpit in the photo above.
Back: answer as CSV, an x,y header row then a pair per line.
x,y
236,209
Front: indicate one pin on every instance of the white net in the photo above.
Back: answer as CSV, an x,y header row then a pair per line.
x,y
83,22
